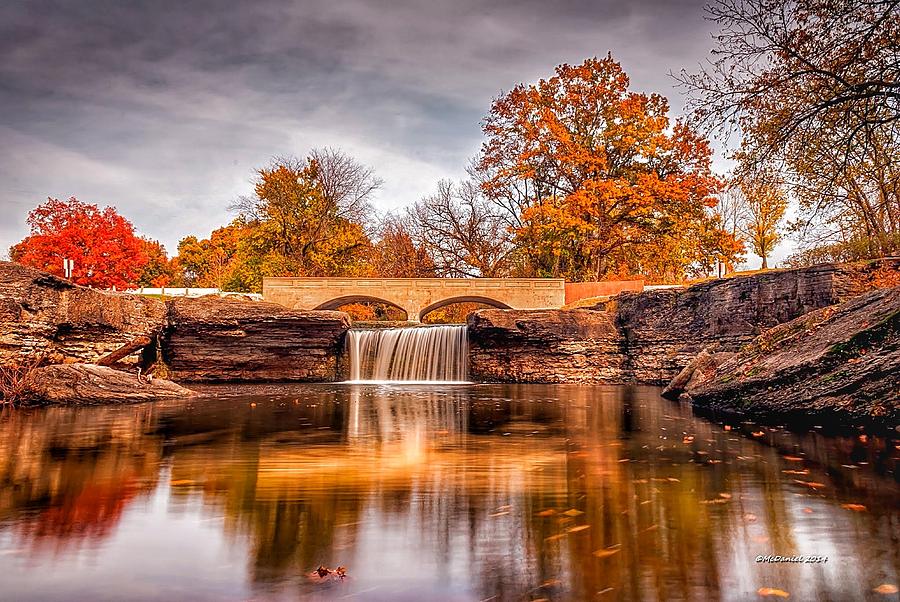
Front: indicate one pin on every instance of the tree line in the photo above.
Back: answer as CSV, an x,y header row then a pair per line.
x,y
580,177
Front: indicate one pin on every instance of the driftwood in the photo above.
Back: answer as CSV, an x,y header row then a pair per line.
x,y
124,351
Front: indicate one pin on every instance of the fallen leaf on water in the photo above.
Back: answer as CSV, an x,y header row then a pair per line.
x,y
727,427
178,482
672,480
804,471
726,496
578,528
687,440
717,500
757,433
808,510
793,458
772,591
551,583
607,552
253,405
863,438
502,508
547,512
496,514
750,518
854,507
573,512
555,537
886,589
811,484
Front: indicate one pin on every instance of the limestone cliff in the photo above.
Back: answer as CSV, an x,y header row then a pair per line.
x,y
841,360
578,345
650,337
225,340
41,314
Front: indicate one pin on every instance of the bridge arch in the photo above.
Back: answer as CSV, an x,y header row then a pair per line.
x,y
461,299
338,302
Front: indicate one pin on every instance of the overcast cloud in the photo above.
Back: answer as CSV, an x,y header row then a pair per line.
x,y
165,108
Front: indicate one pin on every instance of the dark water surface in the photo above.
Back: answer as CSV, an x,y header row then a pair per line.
x,y
436,493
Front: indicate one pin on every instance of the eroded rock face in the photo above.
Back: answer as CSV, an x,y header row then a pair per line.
x,y
90,384
841,360
41,314
650,337
578,345
665,329
216,339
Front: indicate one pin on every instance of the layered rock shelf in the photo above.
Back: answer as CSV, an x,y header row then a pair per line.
x,y
650,337
209,339
212,339
578,345
42,315
838,360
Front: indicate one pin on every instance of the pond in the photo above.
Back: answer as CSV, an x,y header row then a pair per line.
x,y
450,492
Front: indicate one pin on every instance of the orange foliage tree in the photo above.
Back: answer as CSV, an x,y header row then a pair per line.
x,y
101,243
595,181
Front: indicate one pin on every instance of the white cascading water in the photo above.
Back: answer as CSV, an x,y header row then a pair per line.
x,y
423,354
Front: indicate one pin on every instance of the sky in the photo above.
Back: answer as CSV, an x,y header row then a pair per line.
x,y
164,109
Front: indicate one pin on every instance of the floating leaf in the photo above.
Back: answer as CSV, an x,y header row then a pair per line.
x,y
807,510
607,552
496,514
726,496
854,507
547,512
793,458
772,591
573,512
555,537
750,518
578,528
179,482
886,589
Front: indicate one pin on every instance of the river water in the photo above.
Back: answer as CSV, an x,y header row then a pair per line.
x,y
450,492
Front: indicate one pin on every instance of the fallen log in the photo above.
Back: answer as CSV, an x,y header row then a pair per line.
x,y
124,351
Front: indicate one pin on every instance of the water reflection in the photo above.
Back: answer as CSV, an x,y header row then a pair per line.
x,y
467,492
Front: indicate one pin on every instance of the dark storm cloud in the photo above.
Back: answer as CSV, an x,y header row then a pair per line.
x,y
165,108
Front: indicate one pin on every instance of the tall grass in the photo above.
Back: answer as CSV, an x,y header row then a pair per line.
x,y
16,380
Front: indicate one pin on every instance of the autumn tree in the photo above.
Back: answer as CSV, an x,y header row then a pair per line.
x,y
812,89
396,254
462,231
764,204
159,270
594,180
306,217
101,243
211,262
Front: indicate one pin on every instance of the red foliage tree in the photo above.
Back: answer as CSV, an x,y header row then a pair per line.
x,y
101,243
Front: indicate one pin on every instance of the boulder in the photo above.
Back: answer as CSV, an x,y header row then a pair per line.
x,y
578,345
213,339
701,369
92,384
841,361
42,315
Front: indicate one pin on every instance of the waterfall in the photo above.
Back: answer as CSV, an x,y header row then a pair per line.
x,y
426,353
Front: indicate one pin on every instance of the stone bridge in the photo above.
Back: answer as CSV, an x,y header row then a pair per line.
x,y
416,296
